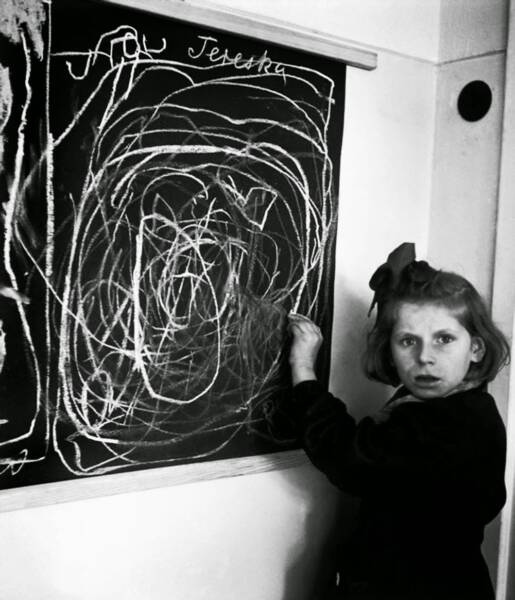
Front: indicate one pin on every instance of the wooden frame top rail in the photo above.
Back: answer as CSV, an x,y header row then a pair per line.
x,y
259,27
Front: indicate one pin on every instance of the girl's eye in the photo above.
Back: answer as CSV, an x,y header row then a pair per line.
x,y
406,342
445,339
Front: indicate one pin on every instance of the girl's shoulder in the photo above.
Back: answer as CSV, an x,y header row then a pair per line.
x,y
475,396
482,405
473,407
476,400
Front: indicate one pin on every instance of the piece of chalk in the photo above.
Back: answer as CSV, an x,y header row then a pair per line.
x,y
9,292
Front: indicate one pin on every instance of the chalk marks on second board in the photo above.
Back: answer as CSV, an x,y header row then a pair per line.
x,y
22,409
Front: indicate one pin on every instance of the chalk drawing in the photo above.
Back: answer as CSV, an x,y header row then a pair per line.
x,y
21,25
199,211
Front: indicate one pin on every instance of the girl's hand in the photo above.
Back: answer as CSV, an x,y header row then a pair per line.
x,y
306,343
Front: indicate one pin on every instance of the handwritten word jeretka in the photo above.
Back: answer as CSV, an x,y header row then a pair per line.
x,y
215,54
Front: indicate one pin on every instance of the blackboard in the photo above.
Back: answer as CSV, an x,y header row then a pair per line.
x,y
169,195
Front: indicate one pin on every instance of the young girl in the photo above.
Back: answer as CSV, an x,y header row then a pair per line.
x,y
429,468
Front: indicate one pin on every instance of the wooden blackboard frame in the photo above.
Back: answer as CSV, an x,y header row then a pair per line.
x,y
258,27
71,490
246,25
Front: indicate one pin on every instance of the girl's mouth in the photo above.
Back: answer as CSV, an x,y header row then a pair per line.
x,y
426,380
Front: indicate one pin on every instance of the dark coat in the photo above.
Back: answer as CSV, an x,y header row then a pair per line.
x,y
430,476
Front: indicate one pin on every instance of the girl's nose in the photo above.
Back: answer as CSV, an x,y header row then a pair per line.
x,y
426,354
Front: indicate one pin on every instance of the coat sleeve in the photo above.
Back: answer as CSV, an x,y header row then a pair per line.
x,y
426,442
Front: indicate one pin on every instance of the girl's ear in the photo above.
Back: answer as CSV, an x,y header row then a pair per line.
x,y
478,349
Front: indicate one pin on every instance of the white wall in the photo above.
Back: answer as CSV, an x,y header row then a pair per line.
x,y
504,312
465,173
235,538
260,537
431,30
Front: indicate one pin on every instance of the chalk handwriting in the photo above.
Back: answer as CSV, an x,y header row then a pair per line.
x,y
119,46
209,50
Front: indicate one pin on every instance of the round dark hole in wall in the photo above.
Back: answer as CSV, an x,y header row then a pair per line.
x,y
474,100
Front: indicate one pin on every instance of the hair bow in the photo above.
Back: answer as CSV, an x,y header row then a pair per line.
x,y
417,274
386,277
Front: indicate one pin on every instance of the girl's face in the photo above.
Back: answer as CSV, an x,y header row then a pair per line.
x,y
431,349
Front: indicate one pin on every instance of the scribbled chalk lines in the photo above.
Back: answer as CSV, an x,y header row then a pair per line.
x,y
9,210
187,273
